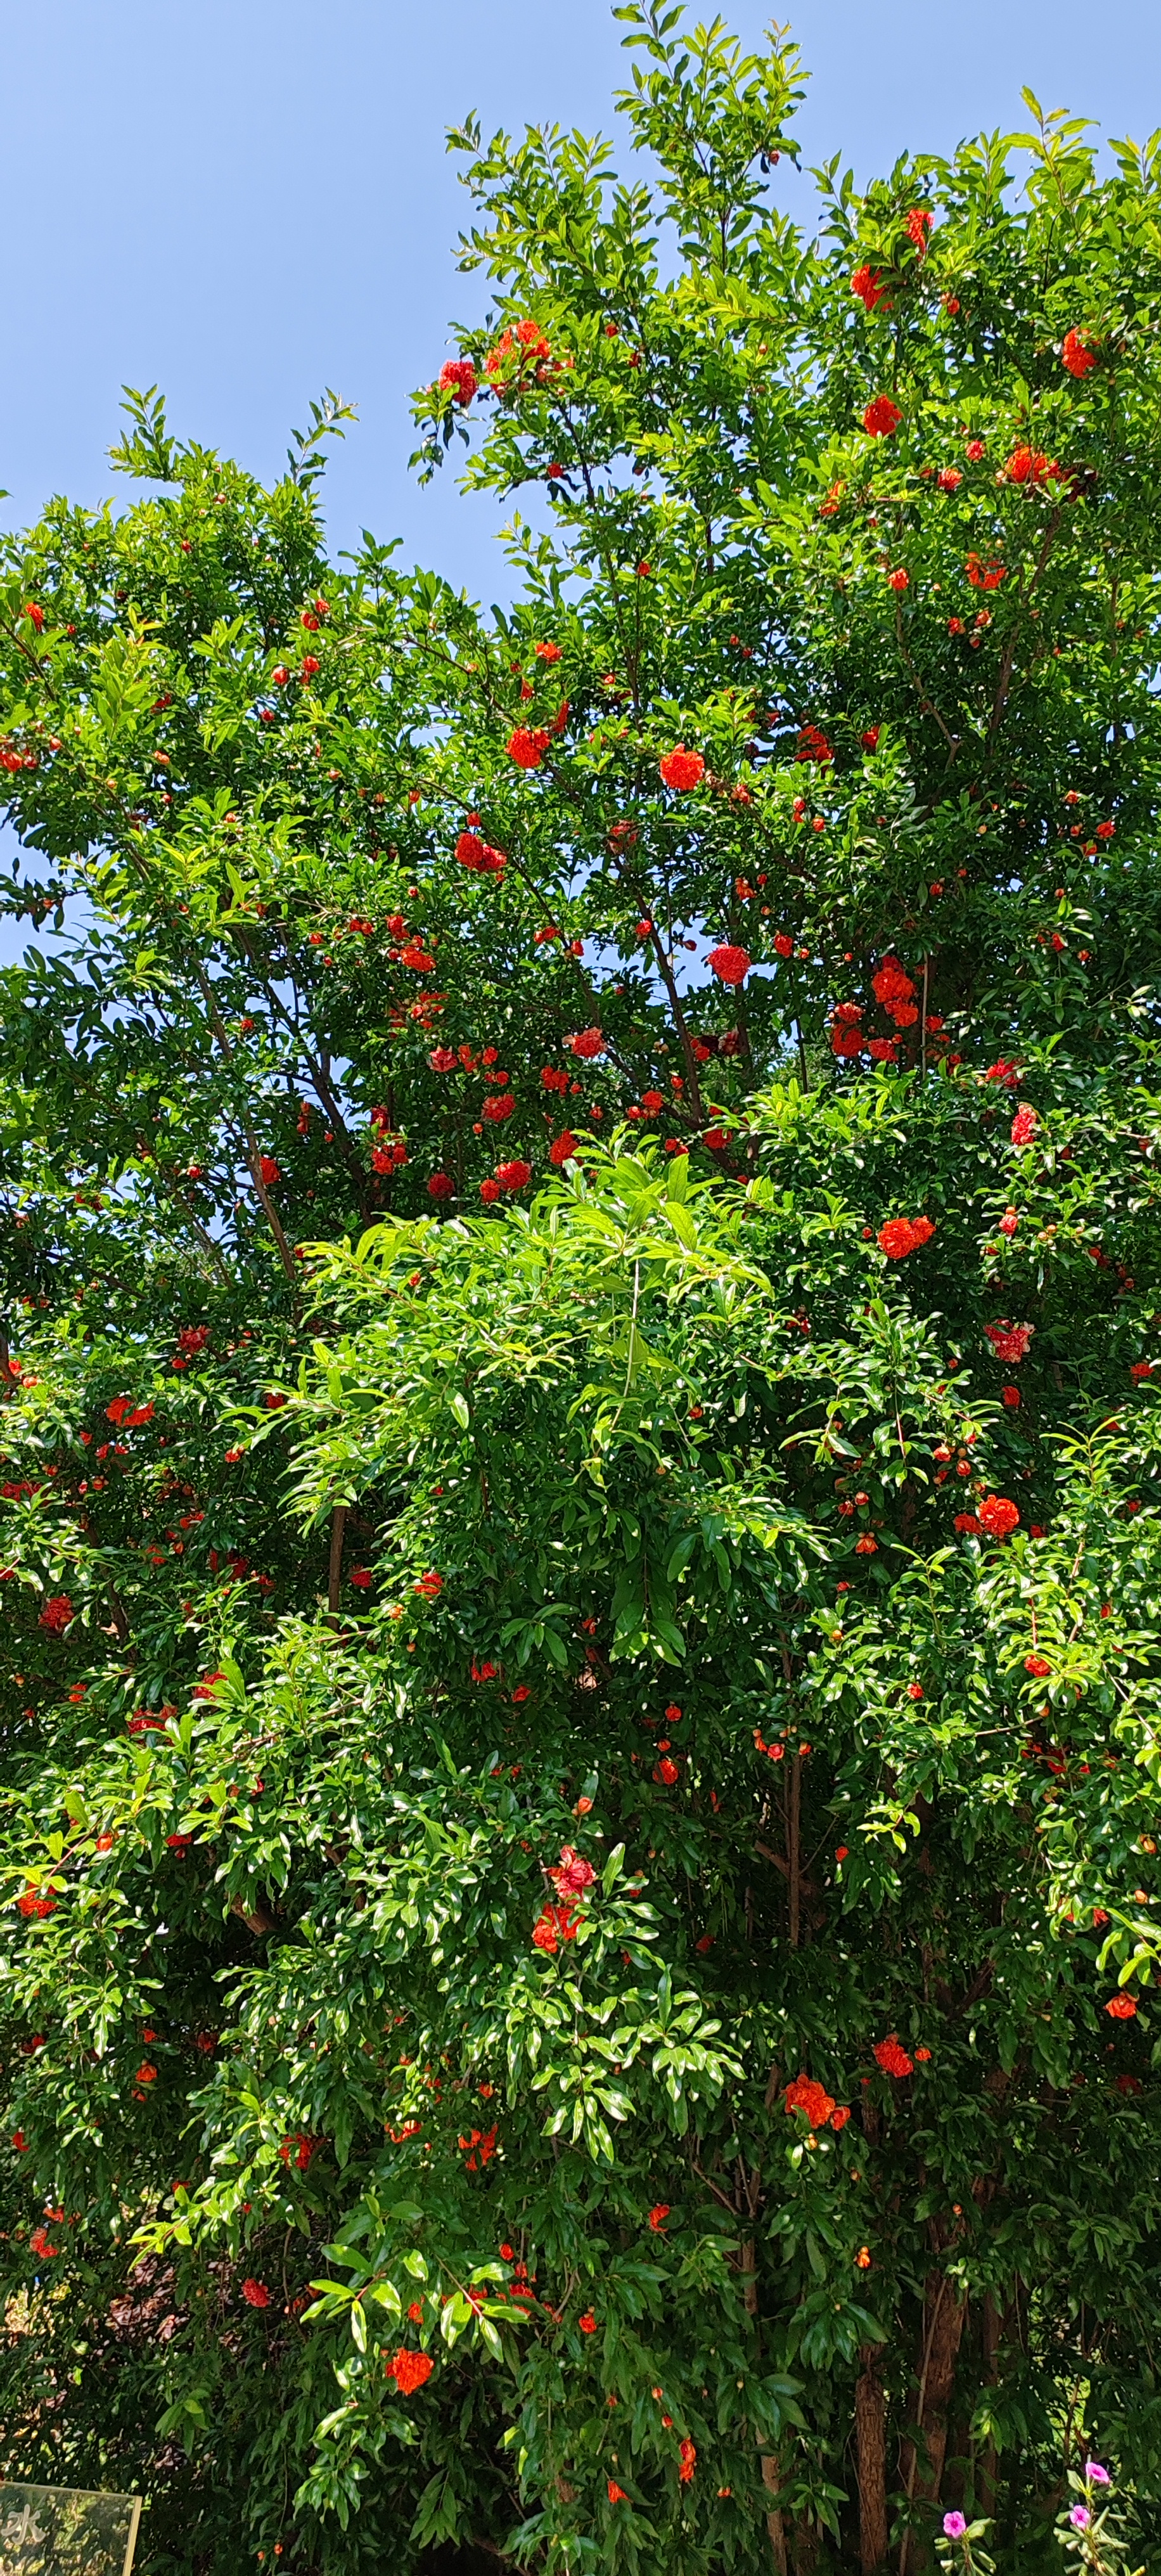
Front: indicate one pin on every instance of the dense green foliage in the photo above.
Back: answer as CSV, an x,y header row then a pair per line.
x,y
579,1239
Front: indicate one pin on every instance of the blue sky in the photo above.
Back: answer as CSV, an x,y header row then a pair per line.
x,y
247,200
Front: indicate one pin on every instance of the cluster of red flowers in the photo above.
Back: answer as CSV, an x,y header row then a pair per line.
x,y
1077,353
36,1907
895,993
881,417
525,346
1010,1342
554,1924
903,1234
984,576
681,768
57,1614
998,1516
301,2147
127,1415
731,965
410,2370
480,2147
573,1874
527,746
1024,1126
892,2056
867,284
822,2111
479,855
459,375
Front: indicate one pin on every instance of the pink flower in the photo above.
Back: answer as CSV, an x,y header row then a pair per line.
x,y
954,2526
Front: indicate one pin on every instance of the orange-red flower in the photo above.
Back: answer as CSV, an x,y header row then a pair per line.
x,y
681,768
904,1234
867,284
882,417
410,2370
1077,354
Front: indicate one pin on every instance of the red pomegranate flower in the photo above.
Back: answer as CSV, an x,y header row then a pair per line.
x,y
892,2056
410,2370
460,374
1010,1342
441,1186
1024,1126
514,1175
731,965
1076,354
554,1924
806,2094
572,1874
681,768
867,284
882,417
528,748
1122,2007
57,1614
585,1043
998,1516
904,1234
256,2294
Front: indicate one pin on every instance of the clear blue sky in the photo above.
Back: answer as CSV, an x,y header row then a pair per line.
x,y
246,200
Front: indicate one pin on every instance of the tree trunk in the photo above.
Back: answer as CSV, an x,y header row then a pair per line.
x,y
870,2458
335,1571
943,2321
774,2522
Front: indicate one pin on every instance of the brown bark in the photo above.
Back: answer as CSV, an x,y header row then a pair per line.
x,y
335,1573
774,2521
943,2322
255,1918
805,2547
871,2462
